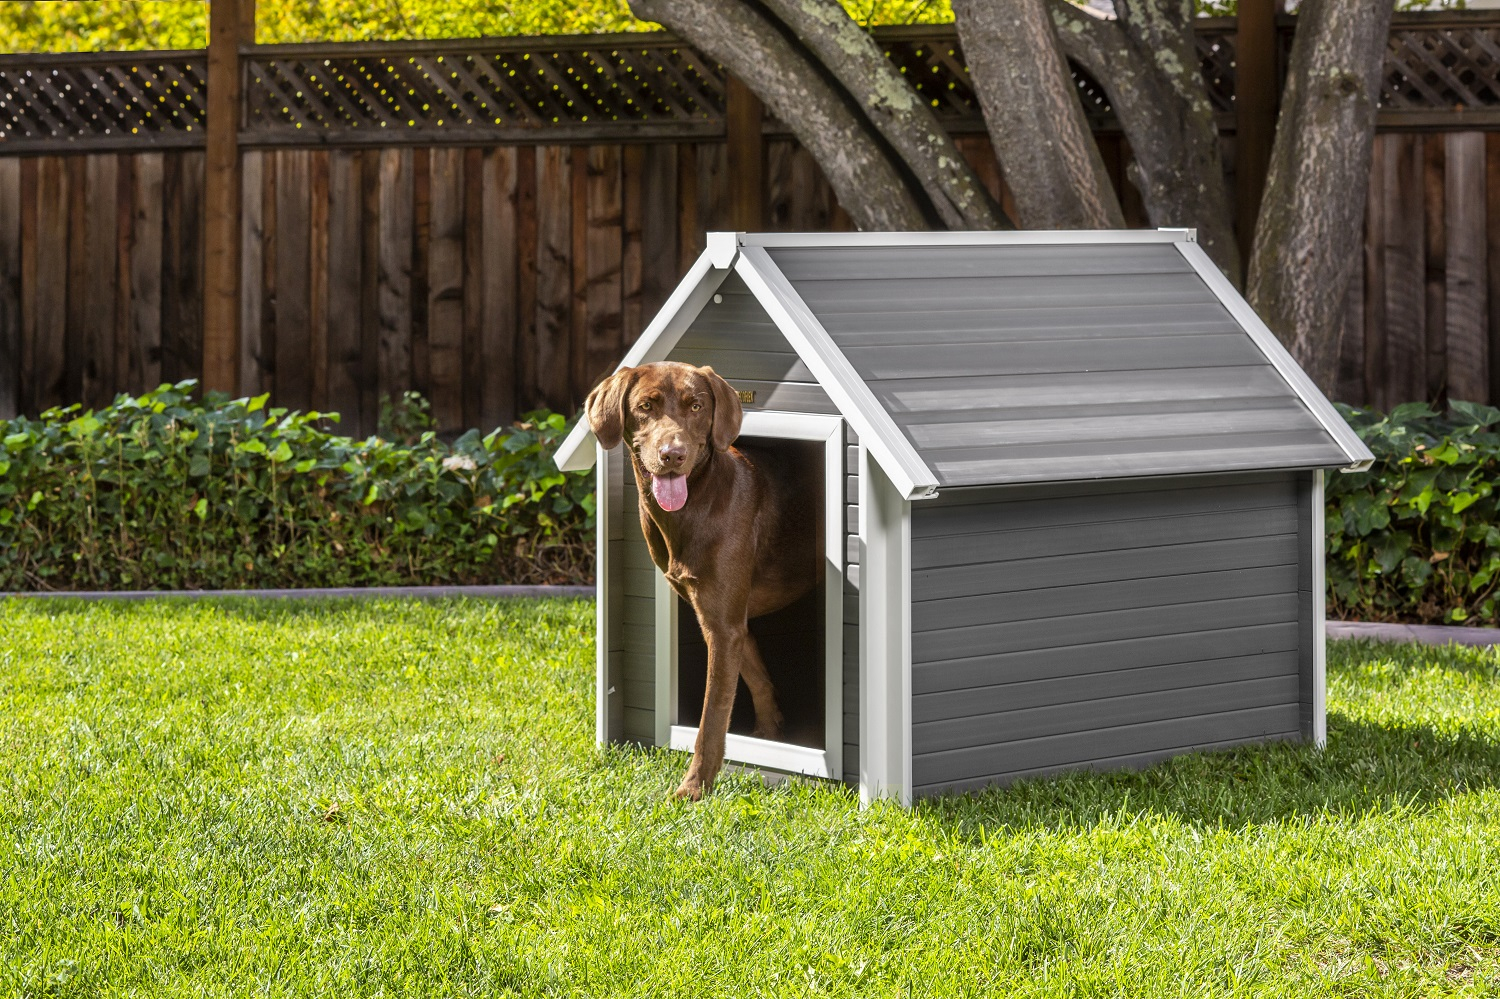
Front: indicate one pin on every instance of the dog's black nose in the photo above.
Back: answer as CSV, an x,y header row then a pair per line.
x,y
672,454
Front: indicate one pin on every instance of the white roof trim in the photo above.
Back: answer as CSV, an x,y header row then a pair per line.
x,y
1019,237
1322,410
693,292
877,431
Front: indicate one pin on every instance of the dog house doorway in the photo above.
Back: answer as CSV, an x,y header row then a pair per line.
x,y
802,645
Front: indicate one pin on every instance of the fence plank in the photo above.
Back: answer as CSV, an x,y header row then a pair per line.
x,y
659,256
10,287
604,338
1375,224
527,249
1435,255
578,314
1466,305
554,278
445,289
1351,373
99,291
715,207
293,342
75,312
687,207
369,284
395,249
498,327
317,278
51,283
1492,255
1405,284
632,218
421,222
30,373
254,360
145,272
124,203
473,286
182,266
345,300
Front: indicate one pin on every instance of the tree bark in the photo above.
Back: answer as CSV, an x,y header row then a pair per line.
x,y
1147,61
894,109
868,185
1034,117
1308,237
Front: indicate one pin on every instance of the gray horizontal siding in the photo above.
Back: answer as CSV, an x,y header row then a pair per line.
x,y
1058,625
1009,364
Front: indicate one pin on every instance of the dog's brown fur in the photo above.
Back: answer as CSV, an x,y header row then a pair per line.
x,y
739,548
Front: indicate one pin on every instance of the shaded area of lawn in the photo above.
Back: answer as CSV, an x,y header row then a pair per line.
x,y
403,798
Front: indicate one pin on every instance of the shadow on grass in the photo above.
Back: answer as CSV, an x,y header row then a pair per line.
x,y
1365,767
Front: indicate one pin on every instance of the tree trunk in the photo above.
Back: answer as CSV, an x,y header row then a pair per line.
x,y
869,186
1147,61
895,109
1034,117
1308,238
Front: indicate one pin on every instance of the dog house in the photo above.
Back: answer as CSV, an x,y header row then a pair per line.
x,y
1072,508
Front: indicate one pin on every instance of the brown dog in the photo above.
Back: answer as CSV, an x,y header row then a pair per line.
x,y
723,525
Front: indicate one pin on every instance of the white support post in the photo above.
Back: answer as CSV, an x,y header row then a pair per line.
x,y
602,510
884,636
1319,612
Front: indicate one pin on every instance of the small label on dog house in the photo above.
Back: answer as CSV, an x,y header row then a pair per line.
x,y
747,395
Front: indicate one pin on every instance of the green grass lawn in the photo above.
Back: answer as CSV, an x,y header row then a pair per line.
x,y
404,798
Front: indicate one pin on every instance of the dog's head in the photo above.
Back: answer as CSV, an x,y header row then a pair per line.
x,y
669,414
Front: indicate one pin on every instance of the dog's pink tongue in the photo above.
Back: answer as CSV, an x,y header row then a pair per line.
x,y
670,491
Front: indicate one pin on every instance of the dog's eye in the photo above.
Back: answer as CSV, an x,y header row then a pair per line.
x,y
646,405
697,406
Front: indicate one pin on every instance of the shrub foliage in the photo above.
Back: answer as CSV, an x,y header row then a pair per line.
x,y
165,492
1417,538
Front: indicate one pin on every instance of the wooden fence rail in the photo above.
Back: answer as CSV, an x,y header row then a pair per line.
x,y
390,235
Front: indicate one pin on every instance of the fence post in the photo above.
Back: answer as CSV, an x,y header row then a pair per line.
x,y
1257,93
743,119
230,24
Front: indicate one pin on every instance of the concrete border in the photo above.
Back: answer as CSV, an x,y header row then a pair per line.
x,y
420,592
1427,634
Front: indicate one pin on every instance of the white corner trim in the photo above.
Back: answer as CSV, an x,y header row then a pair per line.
x,y
885,763
1018,237
602,511
1322,410
1319,613
876,430
666,659
693,292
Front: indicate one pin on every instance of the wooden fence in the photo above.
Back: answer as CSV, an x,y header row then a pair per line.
x,y
391,235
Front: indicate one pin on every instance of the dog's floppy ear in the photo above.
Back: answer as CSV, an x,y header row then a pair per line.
x,y
728,414
605,407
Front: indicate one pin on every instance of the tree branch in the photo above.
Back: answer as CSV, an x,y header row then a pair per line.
x,y
894,108
868,185
1147,61
1035,121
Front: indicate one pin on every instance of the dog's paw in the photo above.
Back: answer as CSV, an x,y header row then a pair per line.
x,y
692,788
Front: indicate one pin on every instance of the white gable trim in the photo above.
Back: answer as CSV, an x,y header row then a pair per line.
x,y
692,293
877,431
1321,409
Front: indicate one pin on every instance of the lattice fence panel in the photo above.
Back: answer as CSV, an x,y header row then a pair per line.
x,y
147,98
1442,68
416,93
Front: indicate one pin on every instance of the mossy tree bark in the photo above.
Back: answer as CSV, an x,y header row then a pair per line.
x,y
866,178
1033,115
1146,58
1308,237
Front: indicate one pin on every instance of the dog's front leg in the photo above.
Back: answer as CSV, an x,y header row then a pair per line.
x,y
726,650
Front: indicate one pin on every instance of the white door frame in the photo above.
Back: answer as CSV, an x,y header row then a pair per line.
x,y
826,762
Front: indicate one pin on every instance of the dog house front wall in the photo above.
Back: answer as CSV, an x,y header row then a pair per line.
x,y
735,337
1110,625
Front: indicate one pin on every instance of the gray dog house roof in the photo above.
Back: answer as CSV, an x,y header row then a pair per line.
x,y
967,359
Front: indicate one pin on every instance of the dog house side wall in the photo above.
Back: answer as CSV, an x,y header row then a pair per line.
x,y
736,337
1107,625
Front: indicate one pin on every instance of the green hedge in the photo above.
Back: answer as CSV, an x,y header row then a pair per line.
x,y
165,492
1417,537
